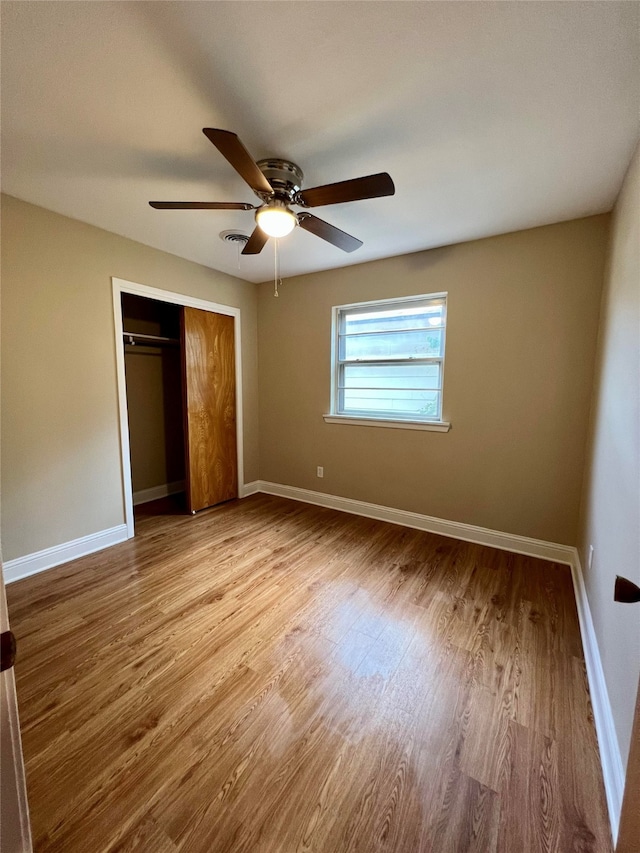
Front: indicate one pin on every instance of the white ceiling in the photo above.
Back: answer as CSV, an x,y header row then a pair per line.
x,y
490,117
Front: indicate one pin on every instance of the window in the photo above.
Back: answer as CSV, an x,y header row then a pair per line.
x,y
388,360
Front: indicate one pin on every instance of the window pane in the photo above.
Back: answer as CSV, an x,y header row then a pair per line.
x,y
417,344
396,403
378,351
372,319
391,376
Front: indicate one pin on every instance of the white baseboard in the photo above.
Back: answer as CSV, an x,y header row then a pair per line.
x,y
249,489
610,756
455,529
31,564
156,492
40,561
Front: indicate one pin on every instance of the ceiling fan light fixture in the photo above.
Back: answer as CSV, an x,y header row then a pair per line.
x,y
275,219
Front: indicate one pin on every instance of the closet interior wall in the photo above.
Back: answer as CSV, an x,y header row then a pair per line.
x,y
154,398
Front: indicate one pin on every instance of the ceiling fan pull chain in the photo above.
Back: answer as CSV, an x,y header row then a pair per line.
x,y
276,267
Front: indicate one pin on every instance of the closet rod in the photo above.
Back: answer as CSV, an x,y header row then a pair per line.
x,y
148,339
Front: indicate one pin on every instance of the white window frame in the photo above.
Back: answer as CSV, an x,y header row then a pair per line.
x,y
373,419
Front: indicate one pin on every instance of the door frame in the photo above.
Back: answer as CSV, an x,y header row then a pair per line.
x,y
15,825
120,286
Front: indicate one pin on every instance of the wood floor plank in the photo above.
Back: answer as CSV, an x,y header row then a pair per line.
x,y
468,819
532,786
269,677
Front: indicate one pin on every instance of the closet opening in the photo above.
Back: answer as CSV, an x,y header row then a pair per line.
x,y
179,375
155,394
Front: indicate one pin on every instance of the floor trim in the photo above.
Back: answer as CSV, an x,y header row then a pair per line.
x,y
31,564
610,756
143,496
456,529
249,489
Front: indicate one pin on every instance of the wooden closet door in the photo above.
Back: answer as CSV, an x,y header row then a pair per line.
x,y
210,408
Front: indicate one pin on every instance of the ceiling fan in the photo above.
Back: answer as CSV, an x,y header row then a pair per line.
x,y
278,185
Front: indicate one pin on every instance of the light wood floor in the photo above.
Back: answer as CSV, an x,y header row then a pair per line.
x,y
272,677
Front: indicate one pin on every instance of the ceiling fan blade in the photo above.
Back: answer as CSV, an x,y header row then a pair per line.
x,y
371,186
328,232
201,205
230,147
255,243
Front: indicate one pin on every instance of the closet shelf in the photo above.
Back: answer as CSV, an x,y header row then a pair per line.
x,y
133,338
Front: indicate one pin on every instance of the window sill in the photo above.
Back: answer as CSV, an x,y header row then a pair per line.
x,y
431,426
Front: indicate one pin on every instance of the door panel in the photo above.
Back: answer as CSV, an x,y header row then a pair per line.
x,y
210,408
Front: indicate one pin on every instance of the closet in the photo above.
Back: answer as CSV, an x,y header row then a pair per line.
x,y
181,402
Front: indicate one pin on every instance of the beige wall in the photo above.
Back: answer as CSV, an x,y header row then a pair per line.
x,y
610,518
522,324
154,402
61,476
522,328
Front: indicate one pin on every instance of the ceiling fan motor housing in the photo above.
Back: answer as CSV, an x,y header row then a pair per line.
x,y
284,176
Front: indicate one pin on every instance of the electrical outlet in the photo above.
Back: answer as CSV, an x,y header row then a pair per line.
x,y
590,558
320,471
